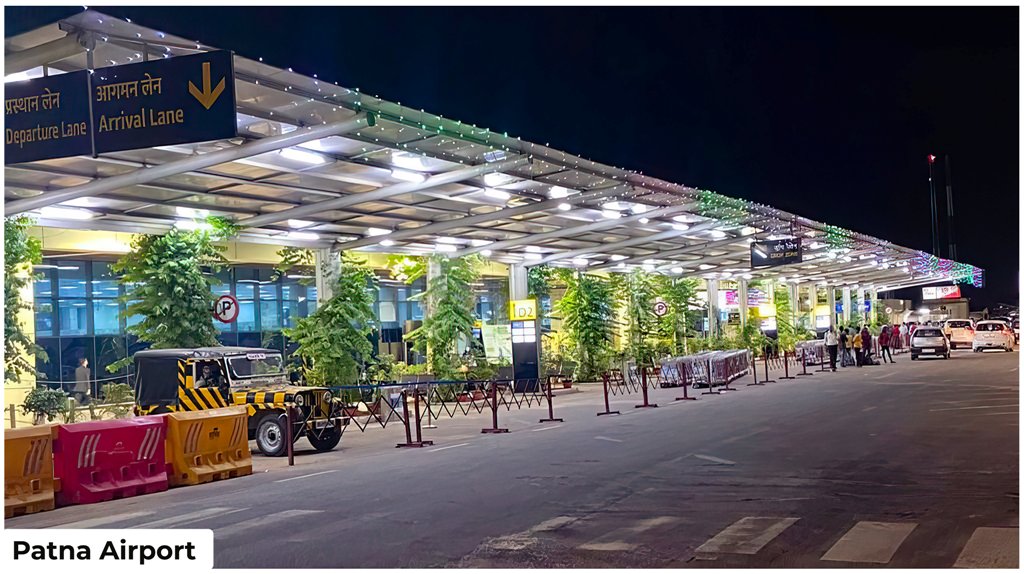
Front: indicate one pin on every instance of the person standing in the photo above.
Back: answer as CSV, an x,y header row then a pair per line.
x,y
894,337
887,344
832,344
858,343
883,342
846,347
865,341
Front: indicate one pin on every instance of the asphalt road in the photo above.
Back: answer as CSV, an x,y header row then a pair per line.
x,y
906,465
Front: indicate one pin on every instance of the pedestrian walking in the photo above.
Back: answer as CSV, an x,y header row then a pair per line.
x,y
832,344
885,340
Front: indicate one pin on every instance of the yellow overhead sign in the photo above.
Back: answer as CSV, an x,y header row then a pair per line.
x,y
522,310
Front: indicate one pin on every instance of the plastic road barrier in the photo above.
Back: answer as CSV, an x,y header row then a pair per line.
x,y
102,460
28,471
204,446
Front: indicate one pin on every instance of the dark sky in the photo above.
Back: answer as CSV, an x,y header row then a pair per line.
x,y
828,113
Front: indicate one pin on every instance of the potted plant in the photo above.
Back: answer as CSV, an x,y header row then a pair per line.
x,y
45,404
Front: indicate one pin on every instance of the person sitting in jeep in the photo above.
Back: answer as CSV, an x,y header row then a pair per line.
x,y
210,377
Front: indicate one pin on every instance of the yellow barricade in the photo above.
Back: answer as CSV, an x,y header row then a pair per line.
x,y
207,445
28,470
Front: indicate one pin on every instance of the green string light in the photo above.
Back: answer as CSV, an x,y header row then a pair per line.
x,y
720,207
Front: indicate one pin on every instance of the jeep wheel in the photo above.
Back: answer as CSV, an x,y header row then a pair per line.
x,y
271,435
326,441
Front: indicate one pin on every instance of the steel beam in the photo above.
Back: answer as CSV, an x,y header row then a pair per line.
x,y
506,213
607,246
381,193
192,163
43,54
587,227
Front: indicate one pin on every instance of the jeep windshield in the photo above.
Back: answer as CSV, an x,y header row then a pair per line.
x,y
252,365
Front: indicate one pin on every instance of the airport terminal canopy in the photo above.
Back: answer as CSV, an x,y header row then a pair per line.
x,y
311,163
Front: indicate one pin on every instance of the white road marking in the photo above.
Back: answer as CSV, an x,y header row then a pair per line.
x,y
188,517
306,475
747,535
714,459
607,439
612,541
866,409
261,521
873,542
886,375
976,407
546,428
104,520
990,548
448,447
999,414
1013,369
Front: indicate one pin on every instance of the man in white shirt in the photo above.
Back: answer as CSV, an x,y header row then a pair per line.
x,y
832,344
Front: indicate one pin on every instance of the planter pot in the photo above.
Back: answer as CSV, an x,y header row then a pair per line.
x,y
566,384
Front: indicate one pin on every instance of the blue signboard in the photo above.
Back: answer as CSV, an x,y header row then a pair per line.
x,y
47,117
164,102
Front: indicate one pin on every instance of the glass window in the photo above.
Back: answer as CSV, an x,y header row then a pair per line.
x,y
268,291
311,300
109,350
49,369
74,316
290,310
220,283
71,276
44,318
43,287
246,316
133,319
106,317
73,349
270,316
104,281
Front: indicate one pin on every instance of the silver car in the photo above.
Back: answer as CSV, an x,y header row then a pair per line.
x,y
929,342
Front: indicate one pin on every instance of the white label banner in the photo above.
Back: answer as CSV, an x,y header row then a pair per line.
x,y
108,550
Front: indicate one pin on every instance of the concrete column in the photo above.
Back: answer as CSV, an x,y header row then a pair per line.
x,y
743,303
846,306
794,303
831,306
517,283
328,263
874,302
860,304
712,285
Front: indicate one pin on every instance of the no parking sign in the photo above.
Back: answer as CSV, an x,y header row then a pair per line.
x,y
225,309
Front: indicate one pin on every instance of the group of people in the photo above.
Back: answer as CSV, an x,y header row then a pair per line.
x,y
850,347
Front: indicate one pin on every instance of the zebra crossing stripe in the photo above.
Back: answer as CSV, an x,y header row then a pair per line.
x,y
990,548
104,520
237,527
187,517
867,541
747,535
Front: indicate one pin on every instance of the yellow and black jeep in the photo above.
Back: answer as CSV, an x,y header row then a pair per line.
x,y
210,377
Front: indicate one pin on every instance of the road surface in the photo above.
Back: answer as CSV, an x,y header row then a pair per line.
x,y
906,465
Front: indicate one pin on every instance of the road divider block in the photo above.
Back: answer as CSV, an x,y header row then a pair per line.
x,y
208,445
29,485
101,460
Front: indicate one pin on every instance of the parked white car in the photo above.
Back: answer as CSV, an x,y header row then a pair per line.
x,y
993,335
960,332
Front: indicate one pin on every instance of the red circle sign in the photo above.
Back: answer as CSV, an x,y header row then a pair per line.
x,y
225,309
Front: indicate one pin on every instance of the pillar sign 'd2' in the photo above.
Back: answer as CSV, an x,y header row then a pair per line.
x,y
525,349
167,101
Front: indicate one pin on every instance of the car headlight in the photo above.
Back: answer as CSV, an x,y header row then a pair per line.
x,y
299,400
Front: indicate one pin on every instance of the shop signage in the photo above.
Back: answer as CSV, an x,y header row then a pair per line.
x,y
943,292
225,309
522,310
775,252
47,117
162,102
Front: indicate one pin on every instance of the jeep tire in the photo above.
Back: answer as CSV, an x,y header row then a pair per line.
x,y
271,434
327,441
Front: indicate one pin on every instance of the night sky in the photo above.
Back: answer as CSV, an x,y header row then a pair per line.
x,y
827,113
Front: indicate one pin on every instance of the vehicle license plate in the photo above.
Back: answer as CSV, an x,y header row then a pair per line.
x,y
927,350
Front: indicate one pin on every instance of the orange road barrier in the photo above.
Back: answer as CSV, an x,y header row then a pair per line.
x,y
29,485
208,445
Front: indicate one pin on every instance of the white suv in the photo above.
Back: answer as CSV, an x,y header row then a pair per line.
x,y
993,335
959,331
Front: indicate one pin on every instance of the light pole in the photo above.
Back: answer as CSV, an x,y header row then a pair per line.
x,y
935,209
949,210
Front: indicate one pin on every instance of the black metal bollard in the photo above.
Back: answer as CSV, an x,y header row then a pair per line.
x,y
785,365
686,396
767,377
288,435
643,384
494,412
551,409
607,408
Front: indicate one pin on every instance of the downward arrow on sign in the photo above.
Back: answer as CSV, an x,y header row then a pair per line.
x,y
206,97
